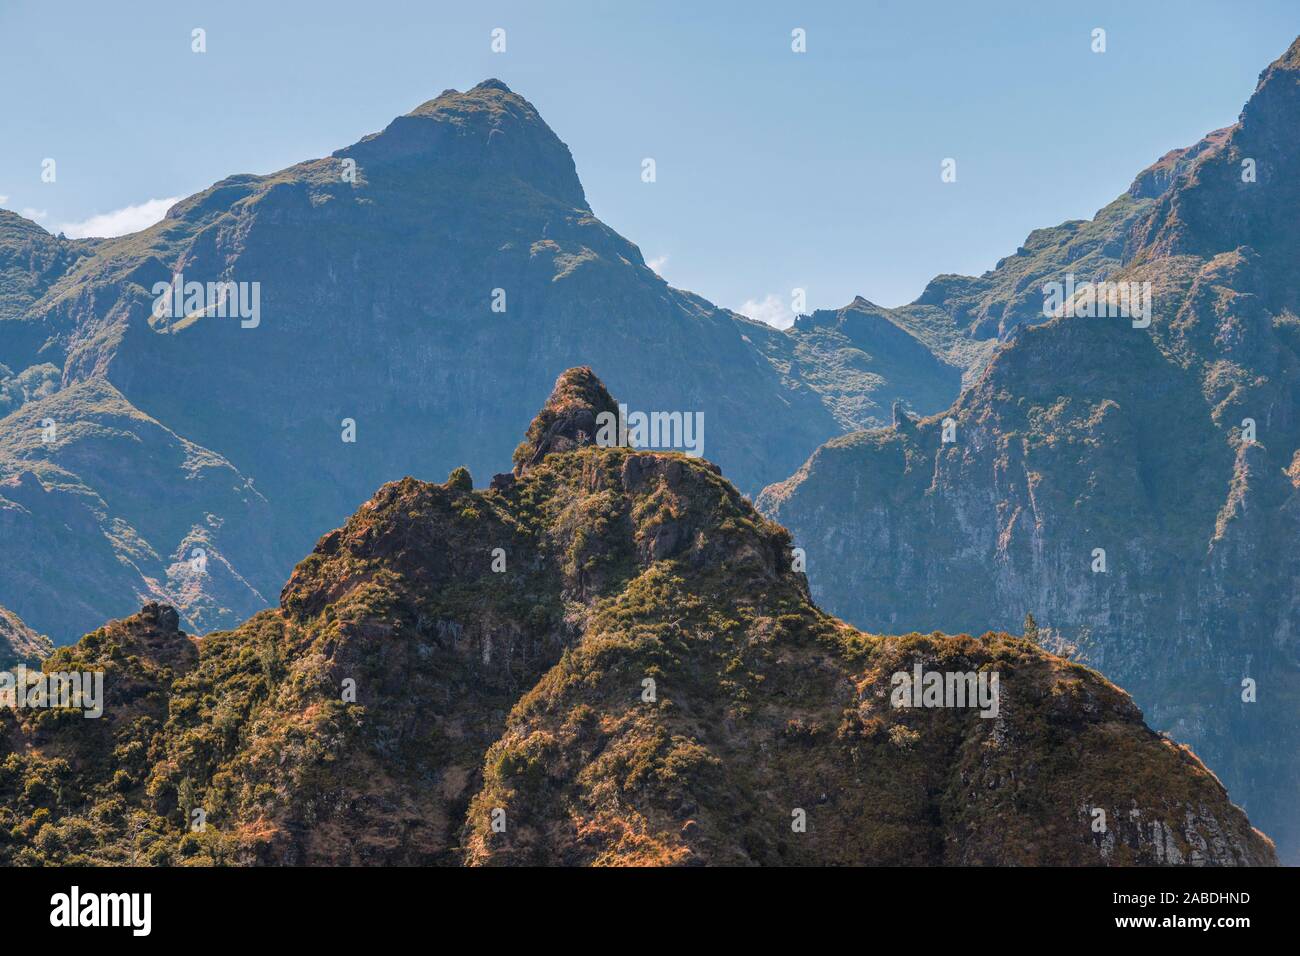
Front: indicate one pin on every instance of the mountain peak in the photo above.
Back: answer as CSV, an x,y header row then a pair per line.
x,y
567,420
1274,102
486,131
1287,62
490,90
1236,189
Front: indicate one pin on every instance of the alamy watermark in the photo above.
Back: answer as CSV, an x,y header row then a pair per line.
x,y
670,431
67,690
1115,300
923,688
75,908
179,299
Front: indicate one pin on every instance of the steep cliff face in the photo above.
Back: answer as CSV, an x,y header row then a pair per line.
x,y
607,658
417,292
1171,448
862,359
31,262
95,487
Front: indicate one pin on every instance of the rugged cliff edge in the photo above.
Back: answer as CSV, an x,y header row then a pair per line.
x,y
606,658
1136,489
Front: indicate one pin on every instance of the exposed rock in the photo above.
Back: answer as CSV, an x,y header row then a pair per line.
x,y
568,420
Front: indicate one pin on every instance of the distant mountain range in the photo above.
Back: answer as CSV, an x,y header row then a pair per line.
x,y
607,657
185,410
1175,449
428,284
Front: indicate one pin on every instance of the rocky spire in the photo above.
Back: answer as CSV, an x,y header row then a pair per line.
x,y
567,420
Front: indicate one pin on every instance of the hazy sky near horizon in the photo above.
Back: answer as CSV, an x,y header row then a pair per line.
x,y
775,170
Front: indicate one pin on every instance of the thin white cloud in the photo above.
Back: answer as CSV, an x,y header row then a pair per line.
x,y
35,215
771,309
120,222
658,263
4,199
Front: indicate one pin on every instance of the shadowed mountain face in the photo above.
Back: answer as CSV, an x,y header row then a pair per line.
x,y
418,291
1173,449
19,644
605,659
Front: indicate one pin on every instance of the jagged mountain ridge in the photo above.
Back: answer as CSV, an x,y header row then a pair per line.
x,y
642,681
81,304
376,306
1086,433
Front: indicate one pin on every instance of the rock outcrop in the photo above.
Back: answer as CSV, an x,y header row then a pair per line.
x,y
570,418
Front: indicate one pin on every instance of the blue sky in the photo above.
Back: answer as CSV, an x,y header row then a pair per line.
x,y
775,170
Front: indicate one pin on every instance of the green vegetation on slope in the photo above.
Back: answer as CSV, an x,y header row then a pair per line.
x,y
606,660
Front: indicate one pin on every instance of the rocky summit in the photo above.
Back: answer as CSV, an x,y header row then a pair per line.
x,y
608,657
1132,482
